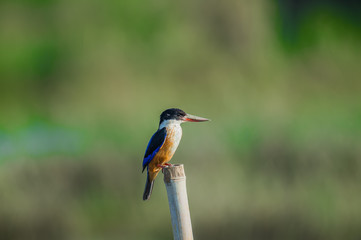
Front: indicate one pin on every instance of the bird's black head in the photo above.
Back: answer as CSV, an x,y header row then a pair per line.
x,y
172,114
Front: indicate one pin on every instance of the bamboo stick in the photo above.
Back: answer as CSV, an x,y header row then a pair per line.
x,y
175,183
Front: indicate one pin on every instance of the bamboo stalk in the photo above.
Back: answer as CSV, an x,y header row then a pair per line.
x,y
175,183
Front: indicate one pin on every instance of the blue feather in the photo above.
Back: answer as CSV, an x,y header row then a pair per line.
x,y
155,143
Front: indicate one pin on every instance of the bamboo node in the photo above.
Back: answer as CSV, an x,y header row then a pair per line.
x,y
176,172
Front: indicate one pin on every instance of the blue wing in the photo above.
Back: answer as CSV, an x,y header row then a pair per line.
x,y
155,143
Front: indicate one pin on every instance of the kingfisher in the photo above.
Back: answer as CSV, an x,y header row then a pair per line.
x,y
164,143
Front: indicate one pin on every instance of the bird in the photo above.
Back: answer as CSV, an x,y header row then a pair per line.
x,y
164,143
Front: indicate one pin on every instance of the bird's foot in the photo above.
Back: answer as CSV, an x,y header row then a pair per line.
x,y
165,165
162,166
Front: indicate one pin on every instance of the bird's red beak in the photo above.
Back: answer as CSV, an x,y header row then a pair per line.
x,y
192,118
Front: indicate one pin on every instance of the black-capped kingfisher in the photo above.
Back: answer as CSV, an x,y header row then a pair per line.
x,y
164,143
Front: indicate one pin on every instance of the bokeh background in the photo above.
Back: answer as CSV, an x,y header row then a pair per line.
x,y
82,85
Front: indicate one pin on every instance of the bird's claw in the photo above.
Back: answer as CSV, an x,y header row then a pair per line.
x,y
165,165
161,166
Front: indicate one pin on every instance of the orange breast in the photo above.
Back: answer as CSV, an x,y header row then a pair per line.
x,y
164,155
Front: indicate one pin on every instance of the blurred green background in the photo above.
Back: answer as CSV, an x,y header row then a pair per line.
x,y
82,85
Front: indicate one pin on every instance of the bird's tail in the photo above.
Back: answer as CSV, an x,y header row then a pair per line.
x,y
148,188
